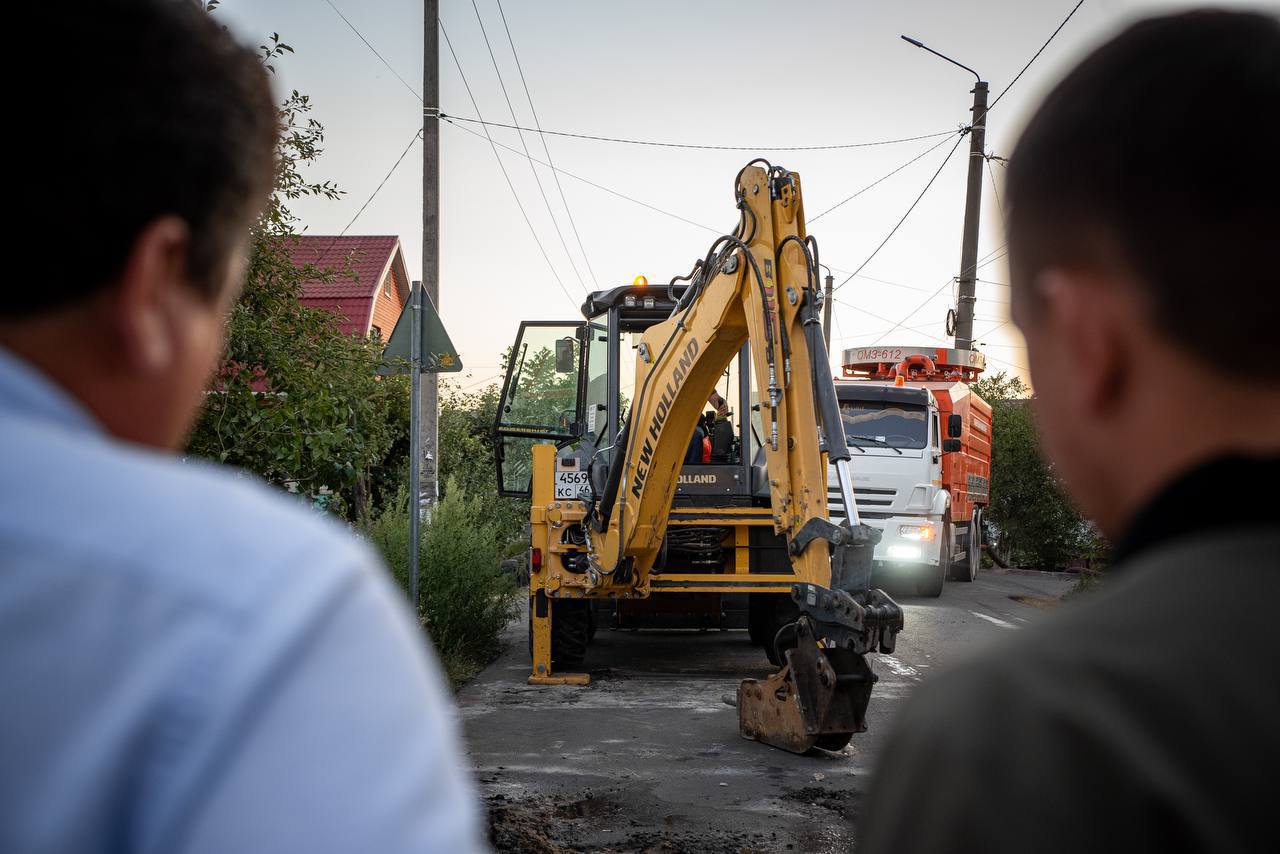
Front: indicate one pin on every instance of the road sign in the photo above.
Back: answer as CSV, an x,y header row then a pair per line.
x,y
437,352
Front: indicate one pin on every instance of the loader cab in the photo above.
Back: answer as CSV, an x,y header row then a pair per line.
x,y
571,383
553,391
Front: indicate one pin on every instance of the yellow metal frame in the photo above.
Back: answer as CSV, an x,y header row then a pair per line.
x,y
686,355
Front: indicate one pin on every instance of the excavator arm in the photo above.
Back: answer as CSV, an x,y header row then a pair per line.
x,y
757,285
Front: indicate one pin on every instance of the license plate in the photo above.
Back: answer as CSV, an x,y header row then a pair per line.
x,y
570,483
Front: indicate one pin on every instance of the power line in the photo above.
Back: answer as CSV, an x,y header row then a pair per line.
x,y
556,171
541,191
1018,76
881,317
586,181
898,225
417,134
605,189
891,284
995,191
554,174
374,49
1035,57
503,168
878,180
622,141
474,383
994,255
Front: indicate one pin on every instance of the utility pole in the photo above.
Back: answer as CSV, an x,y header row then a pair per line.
x,y
972,205
972,213
826,309
430,398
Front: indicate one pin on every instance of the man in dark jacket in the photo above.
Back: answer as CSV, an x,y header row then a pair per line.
x,y
1144,246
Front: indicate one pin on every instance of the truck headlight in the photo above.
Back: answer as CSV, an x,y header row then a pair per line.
x,y
916,532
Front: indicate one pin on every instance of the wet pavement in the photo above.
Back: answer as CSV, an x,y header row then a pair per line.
x,y
648,757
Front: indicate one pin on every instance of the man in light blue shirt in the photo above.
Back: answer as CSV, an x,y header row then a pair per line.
x,y
189,661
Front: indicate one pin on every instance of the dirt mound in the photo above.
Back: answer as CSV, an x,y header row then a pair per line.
x,y
588,822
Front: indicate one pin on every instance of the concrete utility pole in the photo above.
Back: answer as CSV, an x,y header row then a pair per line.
x,y
972,213
826,309
430,398
972,205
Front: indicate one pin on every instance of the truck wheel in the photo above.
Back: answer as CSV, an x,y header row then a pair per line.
x,y
571,630
929,582
766,614
966,569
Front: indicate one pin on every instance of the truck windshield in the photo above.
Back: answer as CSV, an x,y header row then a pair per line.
x,y
873,423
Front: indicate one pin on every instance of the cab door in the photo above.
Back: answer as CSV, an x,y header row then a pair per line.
x,y
541,398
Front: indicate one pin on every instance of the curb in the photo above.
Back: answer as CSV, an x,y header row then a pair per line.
x,y
1032,573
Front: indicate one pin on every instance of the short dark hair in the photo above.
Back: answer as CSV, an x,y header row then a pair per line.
x,y
169,116
1160,153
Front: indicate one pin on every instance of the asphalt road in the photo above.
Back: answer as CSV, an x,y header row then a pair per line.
x,y
648,757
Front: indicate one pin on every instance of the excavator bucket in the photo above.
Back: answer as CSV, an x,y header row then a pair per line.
x,y
818,699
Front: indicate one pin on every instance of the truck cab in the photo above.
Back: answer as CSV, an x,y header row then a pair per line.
x,y
922,442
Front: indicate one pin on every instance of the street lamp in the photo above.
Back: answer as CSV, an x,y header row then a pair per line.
x,y
973,205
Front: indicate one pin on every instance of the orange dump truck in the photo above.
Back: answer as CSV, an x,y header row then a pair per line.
x,y
922,461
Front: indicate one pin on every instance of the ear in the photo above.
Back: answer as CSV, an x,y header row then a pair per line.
x,y
1095,325
143,316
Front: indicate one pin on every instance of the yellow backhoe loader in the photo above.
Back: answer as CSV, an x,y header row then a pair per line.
x,y
643,502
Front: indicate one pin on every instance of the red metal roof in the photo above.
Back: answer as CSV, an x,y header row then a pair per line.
x,y
370,259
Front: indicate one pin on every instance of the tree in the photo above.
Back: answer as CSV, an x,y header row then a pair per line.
x,y
295,400
1036,523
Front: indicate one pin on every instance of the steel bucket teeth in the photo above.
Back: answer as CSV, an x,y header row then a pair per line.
x,y
818,699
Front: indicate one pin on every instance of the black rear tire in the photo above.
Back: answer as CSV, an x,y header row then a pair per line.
x,y
966,568
572,626
570,631
766,614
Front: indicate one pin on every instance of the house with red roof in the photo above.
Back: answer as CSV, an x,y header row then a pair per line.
x,y
368,300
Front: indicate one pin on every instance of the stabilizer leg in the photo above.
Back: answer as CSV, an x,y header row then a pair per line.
x,y
540,616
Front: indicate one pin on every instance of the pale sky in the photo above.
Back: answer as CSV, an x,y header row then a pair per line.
x,y
718,73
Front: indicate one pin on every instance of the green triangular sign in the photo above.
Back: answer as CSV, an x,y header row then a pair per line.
x,y
438,353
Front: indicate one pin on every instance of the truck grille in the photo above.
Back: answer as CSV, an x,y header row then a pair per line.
x,y
871,502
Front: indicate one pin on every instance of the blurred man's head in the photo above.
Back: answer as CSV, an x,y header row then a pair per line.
x,y
149,179
1144,245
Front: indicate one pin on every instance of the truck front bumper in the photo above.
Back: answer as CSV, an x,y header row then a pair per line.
x,y
906,541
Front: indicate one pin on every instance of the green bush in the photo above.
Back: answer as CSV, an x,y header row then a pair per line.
x,y
464,598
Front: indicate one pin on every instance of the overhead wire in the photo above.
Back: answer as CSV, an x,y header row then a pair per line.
x,y
878,181
541,136
903,219
533,233
586,181
990,257
698,146
995,190
881,317
360,36
555,223
978,119
556,171
417,134
1033,58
